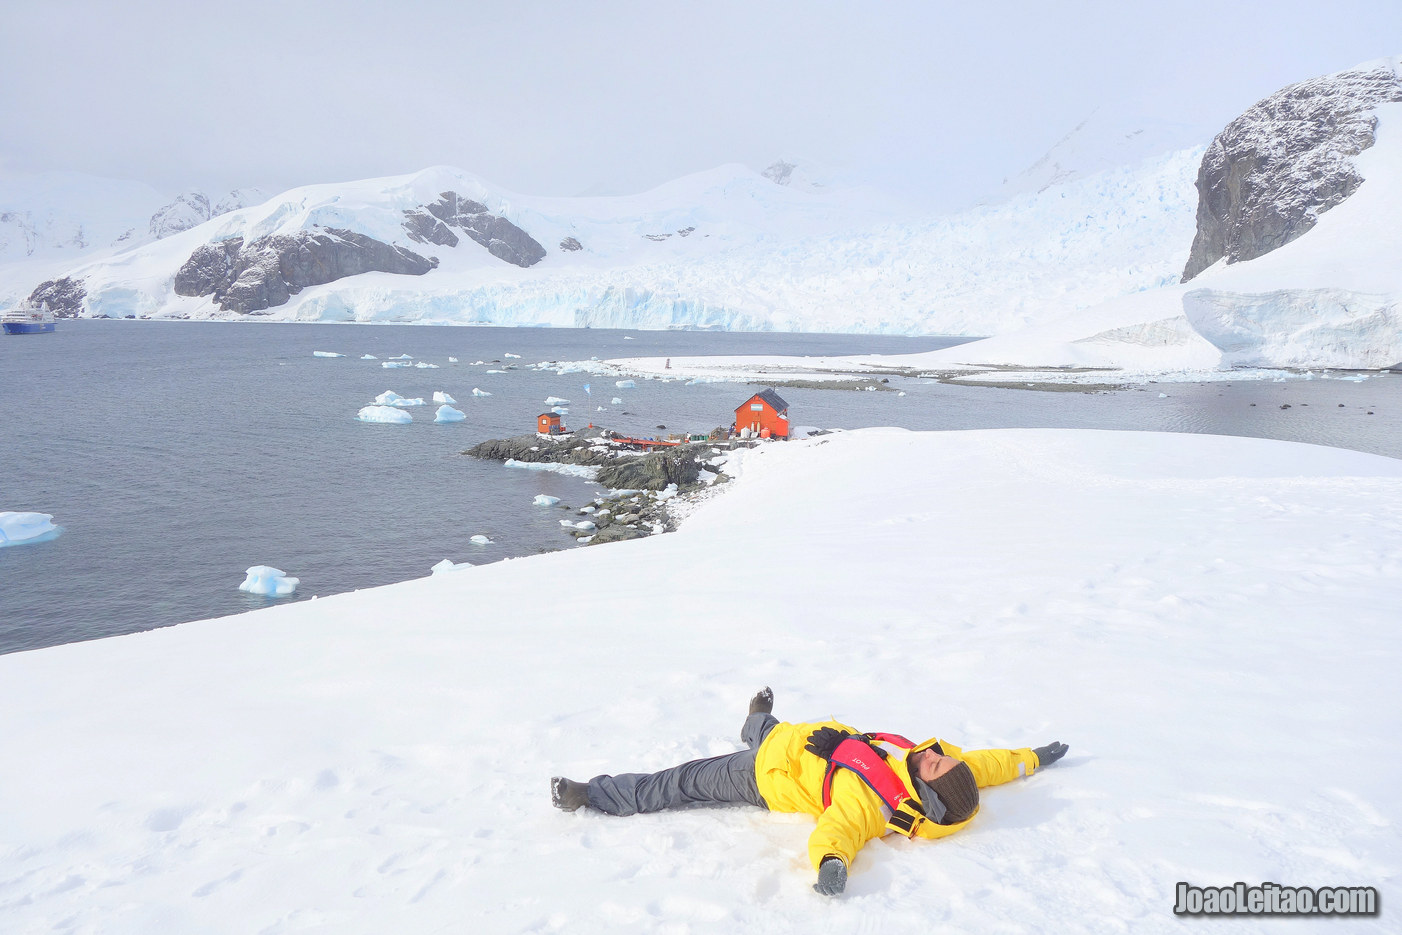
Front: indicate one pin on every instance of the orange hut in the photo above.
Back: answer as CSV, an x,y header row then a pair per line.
x,y
765,413
550,423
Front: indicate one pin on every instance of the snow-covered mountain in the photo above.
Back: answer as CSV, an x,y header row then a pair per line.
x,y
1295,255
55,218
731,248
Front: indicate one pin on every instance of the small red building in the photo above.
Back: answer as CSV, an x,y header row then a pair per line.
x,y
765,413
550,423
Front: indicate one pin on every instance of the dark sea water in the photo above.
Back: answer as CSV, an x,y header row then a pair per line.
x,y
176,455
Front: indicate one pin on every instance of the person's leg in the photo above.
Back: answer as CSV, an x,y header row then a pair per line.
x,y
720,780
757,727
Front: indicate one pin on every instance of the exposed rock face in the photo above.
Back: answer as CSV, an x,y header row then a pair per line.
x,y
266,273
1274,169
504,240
188,210
64,297
779,172
571,245
192,208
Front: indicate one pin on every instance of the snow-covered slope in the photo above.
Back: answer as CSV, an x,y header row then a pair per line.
x,y
730,248
1209,623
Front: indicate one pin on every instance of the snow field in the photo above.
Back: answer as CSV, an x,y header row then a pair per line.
x,y
1207,622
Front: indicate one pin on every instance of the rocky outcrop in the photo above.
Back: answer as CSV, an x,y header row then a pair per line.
x,y
64,297
1273,170
654,471
431,223
247,278
570,245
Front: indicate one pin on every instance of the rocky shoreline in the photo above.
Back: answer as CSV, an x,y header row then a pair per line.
x,y
644,485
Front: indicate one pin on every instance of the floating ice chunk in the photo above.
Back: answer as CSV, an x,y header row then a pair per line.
x,y
587,509
496,371
452,360
625,384
901,393
560,410
477,392
441,397
556,401
389,364
627,337
425,365
616,401
586,525
481,540
268,581
509,354
567,523
544,499
449,414
26,528
403,357
478,363
391,398
388,414
584,540
1163,396
368,357
447,566
326,354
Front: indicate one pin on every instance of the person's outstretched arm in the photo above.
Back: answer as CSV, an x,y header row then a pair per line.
x,y
993,767
854,818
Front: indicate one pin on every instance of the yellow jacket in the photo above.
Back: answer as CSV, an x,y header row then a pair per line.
x,y
791,780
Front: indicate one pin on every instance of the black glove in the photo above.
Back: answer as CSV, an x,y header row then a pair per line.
x,y
823,741
1049,754
832,875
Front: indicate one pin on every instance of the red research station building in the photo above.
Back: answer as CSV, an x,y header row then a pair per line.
x,y
765,413
550,423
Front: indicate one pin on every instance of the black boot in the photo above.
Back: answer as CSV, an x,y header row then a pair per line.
x,y
567,794
763,701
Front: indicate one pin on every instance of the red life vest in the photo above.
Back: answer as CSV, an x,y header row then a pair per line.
x,y
859,755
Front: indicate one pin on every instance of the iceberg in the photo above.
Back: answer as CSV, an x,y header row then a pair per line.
x,y
445,566
326,354
544,499
509,354
388,364
477,392
368,357
452,360
625,384
616,401
27,528
449,414
391,398
441,397
425,365
403,357
387,414
481,540
268,581
556,401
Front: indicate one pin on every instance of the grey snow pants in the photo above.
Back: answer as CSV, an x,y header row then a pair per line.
x,y
728,779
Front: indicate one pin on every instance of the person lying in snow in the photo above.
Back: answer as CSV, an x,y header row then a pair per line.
x,y
858,790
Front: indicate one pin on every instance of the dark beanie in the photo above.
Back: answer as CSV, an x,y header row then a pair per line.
x,y
959,793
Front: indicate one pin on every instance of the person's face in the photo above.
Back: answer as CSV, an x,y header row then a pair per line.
x,y
929,765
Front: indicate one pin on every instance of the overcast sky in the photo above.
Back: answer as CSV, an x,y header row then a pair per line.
x,y
941,100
